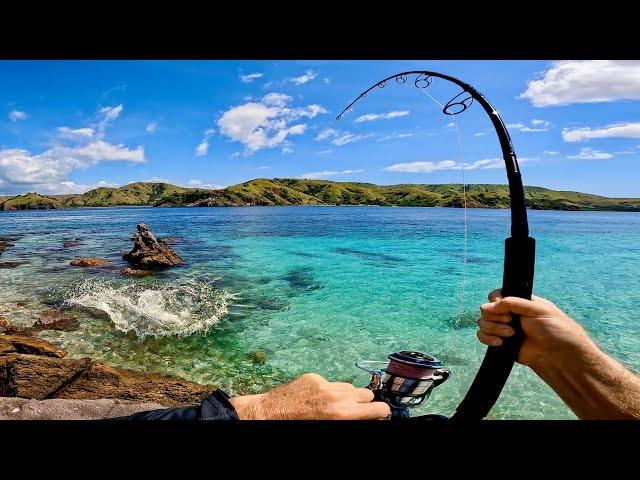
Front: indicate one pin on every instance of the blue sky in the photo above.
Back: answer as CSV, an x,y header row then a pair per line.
x,y
68,126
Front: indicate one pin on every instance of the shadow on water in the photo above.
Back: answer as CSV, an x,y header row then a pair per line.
x,y
301,279
370,257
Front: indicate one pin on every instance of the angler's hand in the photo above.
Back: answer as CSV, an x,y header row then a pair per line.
x,y
311,397
549,332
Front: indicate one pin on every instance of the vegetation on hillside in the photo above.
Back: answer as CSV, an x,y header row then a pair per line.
x,y
320,192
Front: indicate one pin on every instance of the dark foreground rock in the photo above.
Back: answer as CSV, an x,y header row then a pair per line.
x,y
149,253
33,368
89,262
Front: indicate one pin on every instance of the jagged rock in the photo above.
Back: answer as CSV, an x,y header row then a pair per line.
x,y
136,272
89,262
72,242
33,368
149,252
11,264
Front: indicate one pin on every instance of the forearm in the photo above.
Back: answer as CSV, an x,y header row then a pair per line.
x,y
592,384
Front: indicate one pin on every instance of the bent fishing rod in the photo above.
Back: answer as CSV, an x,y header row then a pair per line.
x,y
407,380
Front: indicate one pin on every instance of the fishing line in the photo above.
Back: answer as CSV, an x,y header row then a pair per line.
x,y
461,297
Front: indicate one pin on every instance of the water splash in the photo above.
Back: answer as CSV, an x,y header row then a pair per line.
x,y
178,308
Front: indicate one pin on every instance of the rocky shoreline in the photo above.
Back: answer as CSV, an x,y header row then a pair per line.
x,y
37,380
32,368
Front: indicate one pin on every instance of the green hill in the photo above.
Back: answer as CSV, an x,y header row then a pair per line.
x,y
289,191
30,201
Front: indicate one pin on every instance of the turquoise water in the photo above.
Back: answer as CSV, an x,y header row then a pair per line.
x,y
270,293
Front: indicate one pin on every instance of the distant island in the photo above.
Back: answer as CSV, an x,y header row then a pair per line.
x,y
284,191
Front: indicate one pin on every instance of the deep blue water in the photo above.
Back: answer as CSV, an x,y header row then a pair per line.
x,y
269,293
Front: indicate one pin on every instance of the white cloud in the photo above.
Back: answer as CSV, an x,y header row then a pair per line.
x,y
327,80
450,125
16,115
591,154
202,148
428,167
550,152
19,166
68,187
76,134
325,152
302,79
48,171
263,167
328,173
394,136
109,115
479,134
266,124
340,138
540,123
586,81
538,126
619,130
381,116
250,77
151,127
196,183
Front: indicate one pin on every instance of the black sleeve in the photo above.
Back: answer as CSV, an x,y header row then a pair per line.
x,y
216,406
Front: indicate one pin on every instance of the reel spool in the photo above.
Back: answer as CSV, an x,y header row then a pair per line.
x,y
406,381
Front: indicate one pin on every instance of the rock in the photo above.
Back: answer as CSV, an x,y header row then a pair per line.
x,y
54,319
89,262
72,242
136,272
22,304
4,244
149,252
258,356
34,368
170,240
29,345
12,264
3,322
12,408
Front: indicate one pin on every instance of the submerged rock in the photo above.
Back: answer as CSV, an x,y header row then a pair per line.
x,y
12,264
4,244
72,242
33,368
257,356
170,240
89,262
149,252
54,319
136,272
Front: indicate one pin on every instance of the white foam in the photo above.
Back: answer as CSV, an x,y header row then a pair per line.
x,y
180,308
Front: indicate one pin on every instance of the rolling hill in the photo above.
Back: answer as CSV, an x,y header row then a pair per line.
x,y
268,192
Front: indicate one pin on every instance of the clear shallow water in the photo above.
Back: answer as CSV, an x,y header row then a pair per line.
x,y
285,290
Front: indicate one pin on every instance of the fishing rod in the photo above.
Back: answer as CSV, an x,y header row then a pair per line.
x,y
408,378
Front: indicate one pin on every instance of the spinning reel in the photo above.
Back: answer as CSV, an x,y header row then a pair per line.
x,y
406,381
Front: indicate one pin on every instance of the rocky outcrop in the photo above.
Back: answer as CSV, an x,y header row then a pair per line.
x,y
149,253
6,242
33,368
89,262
